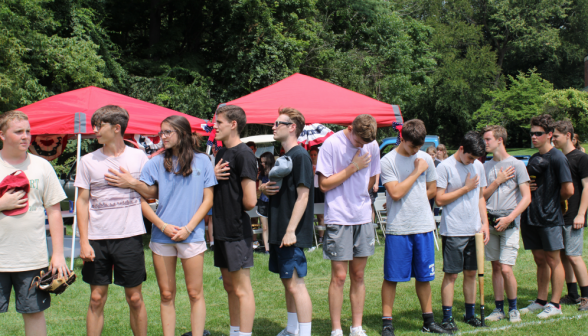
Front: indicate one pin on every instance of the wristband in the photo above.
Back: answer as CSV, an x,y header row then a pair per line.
x,y
356,166
163,227
186,227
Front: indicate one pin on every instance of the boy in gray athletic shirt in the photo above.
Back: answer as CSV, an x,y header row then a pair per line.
x,y
507,195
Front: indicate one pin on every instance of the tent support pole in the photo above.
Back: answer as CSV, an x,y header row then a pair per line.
x,y
75,221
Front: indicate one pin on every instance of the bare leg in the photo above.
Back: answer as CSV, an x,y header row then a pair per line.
x,y
557,274
357,290
580,271
242,289
447,289
543,274
296,290
469,286
95,316
497,281
210,237
388,296
165,271
510,282
265,233
137,310
193,269
423,290
570,276
321,221
338,276
234,309
35,324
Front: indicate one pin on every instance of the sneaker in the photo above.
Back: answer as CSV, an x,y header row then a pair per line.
x,y
205,333
549,311
583,304
211,248
337,332
434,328
473,321
533,307
569,300
320,240
255,245
449,325
361,332
285,332
514,315
496,315
388,330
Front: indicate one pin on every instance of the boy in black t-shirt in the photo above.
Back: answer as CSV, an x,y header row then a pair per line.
x,y
574,218
236,172
291,213
542,222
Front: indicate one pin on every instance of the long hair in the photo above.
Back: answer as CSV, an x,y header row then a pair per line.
x,y
188,143
270,161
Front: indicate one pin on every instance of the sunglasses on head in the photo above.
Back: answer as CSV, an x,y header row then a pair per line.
x,y
537,134
278,123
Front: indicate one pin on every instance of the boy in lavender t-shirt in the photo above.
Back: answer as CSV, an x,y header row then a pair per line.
x,y
347,166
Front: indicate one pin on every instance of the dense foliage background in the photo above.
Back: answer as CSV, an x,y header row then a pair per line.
x,y
457,65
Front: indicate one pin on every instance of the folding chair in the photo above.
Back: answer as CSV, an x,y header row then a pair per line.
x,y
319,209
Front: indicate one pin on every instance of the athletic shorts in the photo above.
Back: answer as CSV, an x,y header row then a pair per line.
x,y
233,255
287,259
459,254
180,250
573,240
503,246
409,256
345,242
27,301
125,255
262,208
542,238
209,212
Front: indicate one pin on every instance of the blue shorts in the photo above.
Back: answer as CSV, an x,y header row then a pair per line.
x,y
209,212
409,256
284,260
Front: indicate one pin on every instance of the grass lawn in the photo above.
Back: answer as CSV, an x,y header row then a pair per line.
x,y
67,314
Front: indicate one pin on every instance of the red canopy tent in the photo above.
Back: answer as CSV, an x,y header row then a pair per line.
x,y
319,101
57,114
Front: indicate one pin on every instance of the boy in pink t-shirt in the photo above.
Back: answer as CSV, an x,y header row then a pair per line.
x,y
111,221
347,166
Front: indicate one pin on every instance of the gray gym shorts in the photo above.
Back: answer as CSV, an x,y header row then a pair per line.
x,y
345,242
573,240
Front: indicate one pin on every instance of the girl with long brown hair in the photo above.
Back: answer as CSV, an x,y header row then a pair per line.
x,y
184,178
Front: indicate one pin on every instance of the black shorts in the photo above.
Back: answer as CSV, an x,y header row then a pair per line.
x,y
27,301
125,255
233,255
262,208
319,196
459,254
542,238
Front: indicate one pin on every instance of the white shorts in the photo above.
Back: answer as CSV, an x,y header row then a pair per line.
x,y
503,246
180,250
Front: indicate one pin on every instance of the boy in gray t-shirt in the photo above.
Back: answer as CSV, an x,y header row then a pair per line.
x,y
409,176
507,195
460,180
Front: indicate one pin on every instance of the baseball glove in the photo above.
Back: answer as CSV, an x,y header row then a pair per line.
x,y
52,283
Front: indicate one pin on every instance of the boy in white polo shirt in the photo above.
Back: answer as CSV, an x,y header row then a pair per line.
x,y
347,165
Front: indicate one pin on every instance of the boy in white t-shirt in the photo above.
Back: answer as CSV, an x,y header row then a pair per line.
x,y
111,221
23,244
347,165
409,176
460,183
